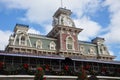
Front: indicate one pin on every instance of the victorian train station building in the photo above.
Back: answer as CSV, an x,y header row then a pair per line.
x,y
59,49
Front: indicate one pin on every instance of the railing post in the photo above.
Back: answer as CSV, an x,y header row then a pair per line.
x,y
74,65
60,65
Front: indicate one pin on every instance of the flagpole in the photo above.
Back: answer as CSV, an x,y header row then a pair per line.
x,y
61,3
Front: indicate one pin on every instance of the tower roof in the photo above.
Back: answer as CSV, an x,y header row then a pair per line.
x,y
21,26
62,11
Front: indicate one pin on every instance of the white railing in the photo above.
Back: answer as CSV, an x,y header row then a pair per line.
x,y
51,77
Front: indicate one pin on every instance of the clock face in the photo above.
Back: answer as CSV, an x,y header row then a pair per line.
x,y
67,21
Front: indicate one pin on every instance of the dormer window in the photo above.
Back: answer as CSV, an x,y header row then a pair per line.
x,y
105,48
22,40
39,44
92,50
82,49
52,45
70,43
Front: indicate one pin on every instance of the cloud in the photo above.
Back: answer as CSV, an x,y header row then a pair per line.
x,y
37,11
90,28
41,11
83,7
48,28
4,38
112,35
111,52
33,31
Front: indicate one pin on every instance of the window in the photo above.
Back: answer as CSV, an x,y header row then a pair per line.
x,y
52,45
69,43
82,49
22,40
105,48
92,50
39,44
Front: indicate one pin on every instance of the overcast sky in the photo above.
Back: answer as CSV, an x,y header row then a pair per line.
x,y
98,18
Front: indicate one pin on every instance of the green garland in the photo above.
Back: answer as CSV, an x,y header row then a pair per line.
x,y
39,74
9,69
82,74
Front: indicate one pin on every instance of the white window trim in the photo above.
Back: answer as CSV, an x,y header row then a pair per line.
x,y
92,51
20,40
104,52
72,43
82,51
38,44
54,45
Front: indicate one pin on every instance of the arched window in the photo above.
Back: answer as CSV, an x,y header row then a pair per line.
x,y
22,40
104,50
82,49
39,44
92,50
69,43
52,45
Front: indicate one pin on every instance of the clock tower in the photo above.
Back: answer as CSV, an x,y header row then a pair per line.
x,y
62,17
66,33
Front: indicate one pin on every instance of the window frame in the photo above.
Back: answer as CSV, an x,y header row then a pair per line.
x,y
69,43
22,42
52,45
39,43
